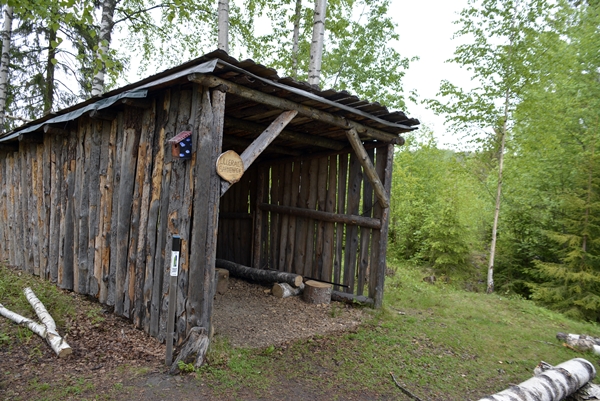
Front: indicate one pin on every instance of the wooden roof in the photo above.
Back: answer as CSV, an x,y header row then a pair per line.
x,y
245,118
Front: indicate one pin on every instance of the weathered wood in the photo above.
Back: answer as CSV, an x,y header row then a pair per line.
x,y
193,351
54,131
67,279
286,135
312,204
329,227
290,247
106,115
56,180
339,296
261,143
284,220
257,250
44,221
286,104
124,210
95,190
203,126
222,277
144,271
317,292
82,203
388,156
302,222
284,290
352,220
365,233
154,274
259,275
320,225
25,243
277,189
368,168
553,384
354,186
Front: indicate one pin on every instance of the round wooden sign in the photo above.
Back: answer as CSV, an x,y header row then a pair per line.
x,y
230,166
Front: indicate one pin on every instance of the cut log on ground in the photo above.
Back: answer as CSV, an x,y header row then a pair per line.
x,y
284,290
259,275
193,350
588,392
222,277
580,342
553,384
47,330
339,296
316,292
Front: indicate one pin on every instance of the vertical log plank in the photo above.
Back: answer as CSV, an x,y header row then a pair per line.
x,y
33,179
107,160
321,204
95,149
67,279
328,231
286,190
257,251
365,233
47,189
24,210
388,155
299,253
354,188
111,297
124,209
311,205
290,247
13,209
43,191
276,182
143,271
82,203
167,227
55,206
154,275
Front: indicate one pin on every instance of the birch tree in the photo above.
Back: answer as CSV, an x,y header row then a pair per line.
x,y
316,46
500,33
6,36
105,33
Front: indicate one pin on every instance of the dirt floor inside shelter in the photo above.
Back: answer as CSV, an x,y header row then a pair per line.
x,y
113,359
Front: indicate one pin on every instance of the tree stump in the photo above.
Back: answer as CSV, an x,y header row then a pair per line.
x,y
222,277
316,292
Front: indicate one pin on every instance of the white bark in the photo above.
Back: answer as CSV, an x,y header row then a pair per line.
x,y
316,46
46,330
223,40
6,35
553,384
581,342
296,38
106,27
284,290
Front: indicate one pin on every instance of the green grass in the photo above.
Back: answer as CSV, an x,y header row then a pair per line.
x,y
440,342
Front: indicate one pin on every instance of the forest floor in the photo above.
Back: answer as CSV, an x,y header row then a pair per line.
x,y
440,343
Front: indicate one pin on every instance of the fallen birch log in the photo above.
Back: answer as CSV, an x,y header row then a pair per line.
x,y
552,384
588,392
46,330
260,275
581,342
284,290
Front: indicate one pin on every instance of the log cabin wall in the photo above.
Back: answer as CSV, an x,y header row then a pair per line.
x,y
265,220
94,207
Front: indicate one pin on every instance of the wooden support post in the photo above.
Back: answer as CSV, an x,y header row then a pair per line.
x,y
174,272
367,164
385,216
261,143
310,112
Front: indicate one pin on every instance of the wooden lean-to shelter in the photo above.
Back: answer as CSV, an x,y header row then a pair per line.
x,y
91,196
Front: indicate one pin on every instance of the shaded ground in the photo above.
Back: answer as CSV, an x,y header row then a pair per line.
x,y
113,360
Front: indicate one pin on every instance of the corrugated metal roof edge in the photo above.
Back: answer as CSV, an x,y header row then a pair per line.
x,y
205,63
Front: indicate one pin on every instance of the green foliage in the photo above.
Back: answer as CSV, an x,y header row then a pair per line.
x,y
438,206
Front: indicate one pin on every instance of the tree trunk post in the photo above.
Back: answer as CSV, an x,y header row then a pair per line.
x,y
6,34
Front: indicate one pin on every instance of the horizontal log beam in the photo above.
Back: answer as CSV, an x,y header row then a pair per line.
x,y
285,104
250,273
367,164
339,296
360,221
287,134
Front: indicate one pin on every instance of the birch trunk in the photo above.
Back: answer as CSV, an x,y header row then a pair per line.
x,y
223,40
6,35
46,330
296,38
490,276
553,384
106,27
316,46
